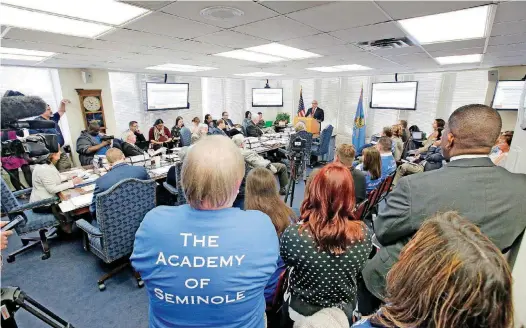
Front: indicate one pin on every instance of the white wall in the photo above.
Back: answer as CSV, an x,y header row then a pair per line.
x,y
509,118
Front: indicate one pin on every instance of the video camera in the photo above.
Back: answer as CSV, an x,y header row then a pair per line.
x,y
106,138
297,147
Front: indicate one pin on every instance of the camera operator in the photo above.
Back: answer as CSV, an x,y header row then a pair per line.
x,y
64,163
91,142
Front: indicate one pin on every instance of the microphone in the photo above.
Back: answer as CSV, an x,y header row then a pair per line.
x,y
33,124
20,107
20,220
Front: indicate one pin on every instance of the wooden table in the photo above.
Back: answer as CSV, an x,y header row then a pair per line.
x,y
71,193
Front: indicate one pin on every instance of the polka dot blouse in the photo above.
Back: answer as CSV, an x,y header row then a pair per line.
x,y
319,277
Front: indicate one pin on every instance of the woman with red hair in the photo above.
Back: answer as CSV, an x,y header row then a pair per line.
x,y
328,248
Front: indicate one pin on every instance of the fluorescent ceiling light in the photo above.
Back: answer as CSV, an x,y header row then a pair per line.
x,y
21,57
339,68
250,56
279,50
258,74
456,25
26,52
43,22
103,11
448,60
181,68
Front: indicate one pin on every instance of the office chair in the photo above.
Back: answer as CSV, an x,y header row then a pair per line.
x,y
321,147
120,211
186,137
44,224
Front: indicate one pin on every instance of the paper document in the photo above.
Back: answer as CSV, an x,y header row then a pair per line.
x,y
161,170
90,187
81,201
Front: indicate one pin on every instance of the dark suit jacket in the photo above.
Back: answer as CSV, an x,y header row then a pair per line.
x,y
254,130
229,123
118,173
131,150
318,115
359,185
489,196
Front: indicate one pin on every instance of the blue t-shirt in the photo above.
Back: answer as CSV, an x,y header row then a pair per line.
x,y
103,150
205,268
370,184
364,323
388,164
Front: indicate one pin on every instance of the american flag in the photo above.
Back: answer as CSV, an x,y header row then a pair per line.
x,y
301,106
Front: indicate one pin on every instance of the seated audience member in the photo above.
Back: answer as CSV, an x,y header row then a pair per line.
x,y
328,248
203,131
195,125
457,278
254,160
405,131
47,182
239,248
134,127
261,121
248,117
119,171
228,122
386,132
372,168
384,146
470,182
230,132
438,126
253,130
300,126
171,176
176,131
89,144
213,130
261,194
397,142
432,160
502,148
159,135
209,120
345,155
128,146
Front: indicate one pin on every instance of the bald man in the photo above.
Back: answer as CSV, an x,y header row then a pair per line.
x,y
119,171
316,112
489,196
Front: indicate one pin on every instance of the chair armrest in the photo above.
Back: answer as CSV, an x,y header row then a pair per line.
x,y
88,228
30,206
22,192
171,189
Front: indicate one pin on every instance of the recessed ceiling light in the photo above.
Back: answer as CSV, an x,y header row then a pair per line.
x,y
325,69
449,60
21,57
26,52
279,50
250,56
181,68
258,74
339,68
48,23
456,25
103,11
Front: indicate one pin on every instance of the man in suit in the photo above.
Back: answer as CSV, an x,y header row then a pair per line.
x,y
316,112
119,171
489,196
228,122
128,146
253,130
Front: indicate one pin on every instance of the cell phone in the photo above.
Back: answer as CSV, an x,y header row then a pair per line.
x,y
11,225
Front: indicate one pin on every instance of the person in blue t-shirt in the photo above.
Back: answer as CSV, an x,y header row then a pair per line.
x,y
372,167
206,264
457,278
384,146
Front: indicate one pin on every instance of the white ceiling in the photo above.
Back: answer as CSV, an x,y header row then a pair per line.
x,y
175,32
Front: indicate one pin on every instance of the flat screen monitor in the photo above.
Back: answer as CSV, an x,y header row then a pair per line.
x,y
417,135
165,96
394,95
508,95
267,97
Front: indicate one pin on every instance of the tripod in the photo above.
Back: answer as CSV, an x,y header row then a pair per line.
x,y
296,169
13,299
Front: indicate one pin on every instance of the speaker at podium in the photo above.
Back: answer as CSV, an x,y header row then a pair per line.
x,y
311,124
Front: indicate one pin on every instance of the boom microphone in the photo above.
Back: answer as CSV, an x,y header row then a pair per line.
x,y
20,107
34,124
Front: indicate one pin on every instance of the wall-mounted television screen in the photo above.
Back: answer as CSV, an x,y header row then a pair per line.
x,y
394,95
164,96
267,97
508,95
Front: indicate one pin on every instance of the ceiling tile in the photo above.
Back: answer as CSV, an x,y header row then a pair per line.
x,y
200,47
507,48
314,41
232,39
370,32
508,28
153,5
510,11
285,7
407,9
337,50
411,58
397,51
340,15
457,52
46,37
116,46
277,29
455,45
507,39
169,25
10,43
141,38
191,9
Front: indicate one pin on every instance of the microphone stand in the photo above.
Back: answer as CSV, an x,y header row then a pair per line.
x,y
13,299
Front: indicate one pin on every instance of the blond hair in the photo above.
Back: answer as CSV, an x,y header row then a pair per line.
x,y
212,172
114,154
300,126
346,154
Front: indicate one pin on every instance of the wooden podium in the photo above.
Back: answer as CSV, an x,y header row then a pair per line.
x,y
312,125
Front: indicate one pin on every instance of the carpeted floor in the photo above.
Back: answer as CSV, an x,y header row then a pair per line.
x,y
66,283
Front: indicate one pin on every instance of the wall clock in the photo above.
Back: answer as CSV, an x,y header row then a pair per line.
x,y
92,107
